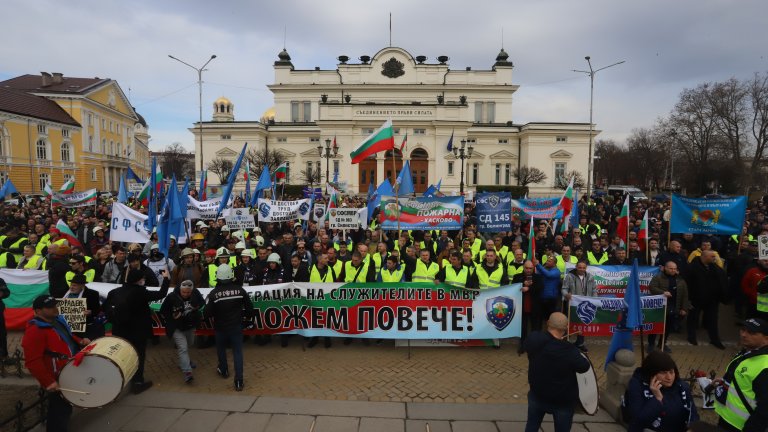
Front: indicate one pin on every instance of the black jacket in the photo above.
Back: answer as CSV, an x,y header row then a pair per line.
x,y
57,280
675,411
706,285
302,274
552,368
228,304
137,299
181,314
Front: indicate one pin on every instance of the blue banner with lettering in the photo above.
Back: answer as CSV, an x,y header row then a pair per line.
x,y
308,193
494,211
538,208
707,216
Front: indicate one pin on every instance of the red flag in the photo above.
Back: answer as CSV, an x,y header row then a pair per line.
x,y
622,222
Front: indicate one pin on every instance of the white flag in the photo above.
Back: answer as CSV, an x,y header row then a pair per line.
x,y
128,225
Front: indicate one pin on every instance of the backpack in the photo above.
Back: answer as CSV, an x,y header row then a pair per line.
x,y
117,307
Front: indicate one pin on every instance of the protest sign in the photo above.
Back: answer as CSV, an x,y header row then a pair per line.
x,y
134,187
538,208
282,211
73,311
240,219
612,280
598,316
494,211
762,245
344,218
307,192
445,213
75,199
707,216
128,225
318,211
207,209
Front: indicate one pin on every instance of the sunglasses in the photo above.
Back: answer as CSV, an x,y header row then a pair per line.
x,y
73,262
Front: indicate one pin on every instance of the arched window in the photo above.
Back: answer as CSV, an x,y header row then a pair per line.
x,y
222,109
42,149
419,154
66,155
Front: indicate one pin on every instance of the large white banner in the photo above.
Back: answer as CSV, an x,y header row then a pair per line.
x,y
206,209
282,211
128,225
345,218
75,199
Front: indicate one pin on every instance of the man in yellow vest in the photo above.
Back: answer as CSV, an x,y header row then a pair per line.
x,y
380,256
321,272
516,265
597,256
564,258
474,243
393,272
741,399
30,260
489,245
14,243
456,274
357,270
211,267
425,269
429,245
77,266
490,273
333,262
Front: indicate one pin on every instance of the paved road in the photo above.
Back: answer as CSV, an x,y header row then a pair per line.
x,y
289,388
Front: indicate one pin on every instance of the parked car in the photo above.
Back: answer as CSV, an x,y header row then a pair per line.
x,y
633,191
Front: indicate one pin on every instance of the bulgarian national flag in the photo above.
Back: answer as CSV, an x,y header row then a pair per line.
x,y
642,235
622,222
47,190
24,285
143,197
381,140
404,143
67,233
281,172
566,203
68,187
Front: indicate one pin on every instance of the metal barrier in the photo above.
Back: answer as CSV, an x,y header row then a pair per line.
x,y
37,412
12,362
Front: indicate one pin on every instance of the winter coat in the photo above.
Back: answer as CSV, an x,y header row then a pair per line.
x,y
705,285
46,350
139,297
573,285
673,413
660,284
552,367
228,304
181,314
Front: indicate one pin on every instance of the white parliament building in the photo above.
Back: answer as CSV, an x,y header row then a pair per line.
x,y
425,99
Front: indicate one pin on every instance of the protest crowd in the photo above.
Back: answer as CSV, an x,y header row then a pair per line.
x,y
706,278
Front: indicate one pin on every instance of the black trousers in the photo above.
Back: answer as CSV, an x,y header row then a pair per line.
x,y
141,349
59,412
710,312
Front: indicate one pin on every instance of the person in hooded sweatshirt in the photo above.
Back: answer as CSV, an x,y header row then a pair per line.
x,y
181,310
553,364
657,399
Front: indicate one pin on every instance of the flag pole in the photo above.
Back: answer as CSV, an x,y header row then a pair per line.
x,y
664,335
669,223
397,189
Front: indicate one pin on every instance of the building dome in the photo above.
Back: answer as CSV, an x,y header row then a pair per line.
x,y
223,110
268,116
502,59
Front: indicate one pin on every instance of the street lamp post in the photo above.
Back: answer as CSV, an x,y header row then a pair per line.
x,y
330,152
590,165
199,100
462,152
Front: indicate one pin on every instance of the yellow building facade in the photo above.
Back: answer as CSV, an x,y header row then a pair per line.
x,y
93,137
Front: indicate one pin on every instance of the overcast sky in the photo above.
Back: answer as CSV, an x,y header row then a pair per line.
x,y
667,46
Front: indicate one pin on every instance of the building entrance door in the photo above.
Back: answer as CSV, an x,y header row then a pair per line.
x,y
420,170
367,173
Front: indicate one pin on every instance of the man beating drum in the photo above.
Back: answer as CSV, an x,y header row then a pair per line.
x,y
48,345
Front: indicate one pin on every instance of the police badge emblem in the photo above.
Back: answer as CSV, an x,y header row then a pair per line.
x,y
499,311
493,201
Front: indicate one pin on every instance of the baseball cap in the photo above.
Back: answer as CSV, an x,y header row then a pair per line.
x,y
756,325
44,301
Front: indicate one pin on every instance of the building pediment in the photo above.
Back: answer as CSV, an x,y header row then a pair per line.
x,y
503,155
475,155
288,153
561,154
227,153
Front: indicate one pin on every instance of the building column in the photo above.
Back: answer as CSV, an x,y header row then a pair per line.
x,y
380,171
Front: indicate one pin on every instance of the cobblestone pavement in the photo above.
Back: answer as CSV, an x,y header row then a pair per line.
x,y
384,373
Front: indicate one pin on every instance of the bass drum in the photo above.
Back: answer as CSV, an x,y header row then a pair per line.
x,y
589,394
107,366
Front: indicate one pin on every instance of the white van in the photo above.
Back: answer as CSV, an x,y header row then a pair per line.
x,y
636,193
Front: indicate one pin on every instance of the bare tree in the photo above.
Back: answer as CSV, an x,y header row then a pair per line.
x,y
526,175
758,124
221,167
644,145
310,177
578,180
176,160
263,157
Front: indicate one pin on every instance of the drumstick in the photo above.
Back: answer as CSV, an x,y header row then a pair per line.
x,y
74,391
571,334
